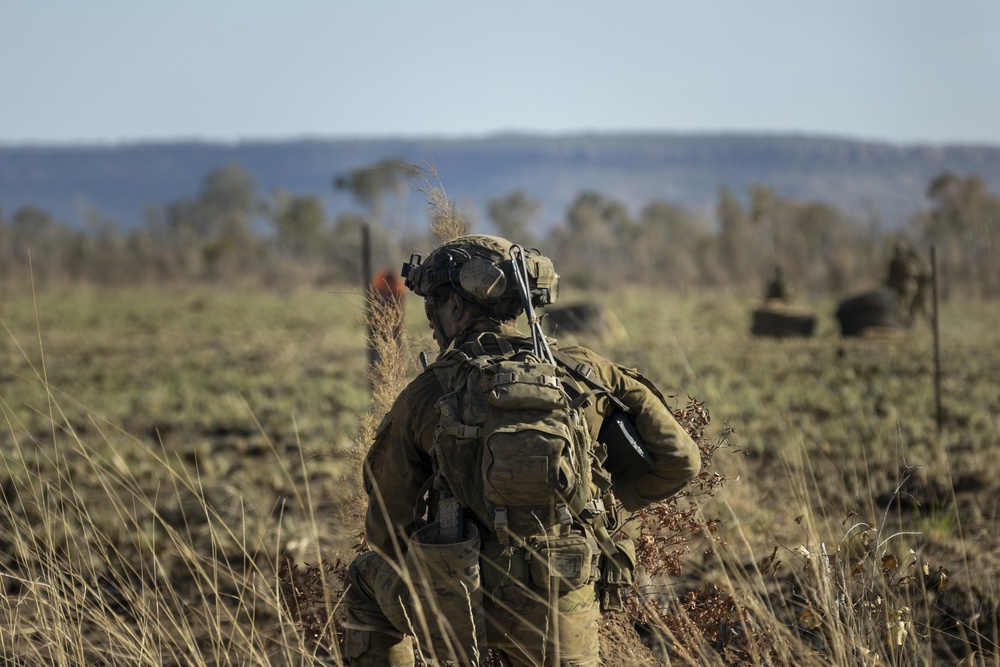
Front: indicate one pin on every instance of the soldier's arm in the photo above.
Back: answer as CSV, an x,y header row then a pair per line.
x,y
396,467
677,459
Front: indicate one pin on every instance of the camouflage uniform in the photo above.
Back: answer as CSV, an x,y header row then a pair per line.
x,y
909,279
516,611
777,289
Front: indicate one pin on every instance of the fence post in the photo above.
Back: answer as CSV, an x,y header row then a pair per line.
x,y
939,414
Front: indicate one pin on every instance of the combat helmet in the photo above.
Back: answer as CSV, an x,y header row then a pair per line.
x,y
481,268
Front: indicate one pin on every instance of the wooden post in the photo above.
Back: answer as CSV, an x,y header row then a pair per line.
x,y
937,342
366,256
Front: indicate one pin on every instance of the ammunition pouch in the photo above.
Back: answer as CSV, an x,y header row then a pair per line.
x,y
503,565
567,561
617,575
440,596
564,562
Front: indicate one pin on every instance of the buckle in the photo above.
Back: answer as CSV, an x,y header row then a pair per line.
x,y
500,524
563,514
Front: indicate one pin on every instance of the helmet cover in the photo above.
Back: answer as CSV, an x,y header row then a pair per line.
x,y
479,267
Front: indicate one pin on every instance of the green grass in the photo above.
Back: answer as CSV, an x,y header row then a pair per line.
x,y
190,369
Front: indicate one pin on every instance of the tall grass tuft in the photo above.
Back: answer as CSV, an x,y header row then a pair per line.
x,y
447,220
105,568
311,592
117,552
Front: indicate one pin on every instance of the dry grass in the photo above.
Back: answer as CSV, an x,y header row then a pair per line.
x,y
125,549
447,221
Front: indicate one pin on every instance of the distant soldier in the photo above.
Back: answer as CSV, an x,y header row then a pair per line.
x,y
908,278
777,289
920,305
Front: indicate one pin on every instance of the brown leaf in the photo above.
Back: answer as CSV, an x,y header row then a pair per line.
x,y
943,583
810,620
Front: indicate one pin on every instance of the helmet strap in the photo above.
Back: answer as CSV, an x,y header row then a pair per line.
x,y
431,311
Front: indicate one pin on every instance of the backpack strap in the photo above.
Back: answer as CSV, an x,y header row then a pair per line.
x,y
586,374
478,345
628,457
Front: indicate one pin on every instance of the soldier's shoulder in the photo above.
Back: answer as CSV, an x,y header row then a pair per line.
x,y
605,368
585,354
427,382
425,389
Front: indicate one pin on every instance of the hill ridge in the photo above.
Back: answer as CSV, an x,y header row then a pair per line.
x,y
860,176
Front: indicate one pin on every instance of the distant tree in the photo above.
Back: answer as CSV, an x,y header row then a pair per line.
x,y
229,199
298,221
819,246
372,184
183,217
515,217
33,230
35,236
964,223
7,256
343,249
816,246
765,214
595,245
235,250
229,189
149,262
669,245
739,246
32,223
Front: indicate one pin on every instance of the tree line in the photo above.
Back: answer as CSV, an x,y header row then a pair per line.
x,y
230,233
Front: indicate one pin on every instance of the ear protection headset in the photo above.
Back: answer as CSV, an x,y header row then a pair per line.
x,y
484,275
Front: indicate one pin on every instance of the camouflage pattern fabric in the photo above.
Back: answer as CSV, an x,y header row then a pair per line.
x,y
519,620
910,279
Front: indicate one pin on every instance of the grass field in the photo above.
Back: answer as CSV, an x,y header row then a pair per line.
x,y
163,450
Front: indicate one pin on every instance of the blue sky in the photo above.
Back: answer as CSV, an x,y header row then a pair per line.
x,y
903,71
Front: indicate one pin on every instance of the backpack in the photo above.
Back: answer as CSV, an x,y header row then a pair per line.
x,y
512,443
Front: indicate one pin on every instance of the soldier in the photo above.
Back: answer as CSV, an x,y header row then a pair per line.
x,y
777,288
909,279
499,480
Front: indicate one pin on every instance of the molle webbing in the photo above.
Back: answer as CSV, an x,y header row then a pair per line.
x,y
511,444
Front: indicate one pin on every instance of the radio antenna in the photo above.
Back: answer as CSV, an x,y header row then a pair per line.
x,y
521,277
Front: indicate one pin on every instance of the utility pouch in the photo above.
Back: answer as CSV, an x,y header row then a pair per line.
x,y
617,574
447,594
503,565
628,458
446,566
568,561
